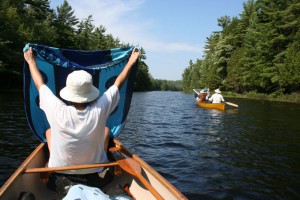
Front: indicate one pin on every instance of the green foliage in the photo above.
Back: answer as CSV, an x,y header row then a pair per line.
x,y
257,52
143,79
26,21
186,79
234,81
166,85
65,24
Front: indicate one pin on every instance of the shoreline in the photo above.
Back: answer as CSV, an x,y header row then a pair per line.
x,y
287,98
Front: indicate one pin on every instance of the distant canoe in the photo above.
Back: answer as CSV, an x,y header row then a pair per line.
x,y
218,106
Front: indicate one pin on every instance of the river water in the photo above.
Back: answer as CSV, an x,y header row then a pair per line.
x,y
252,152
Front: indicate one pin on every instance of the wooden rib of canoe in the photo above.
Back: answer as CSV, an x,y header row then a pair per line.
x,y
22,181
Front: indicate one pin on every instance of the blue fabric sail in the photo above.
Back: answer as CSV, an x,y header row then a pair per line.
x,y
55,64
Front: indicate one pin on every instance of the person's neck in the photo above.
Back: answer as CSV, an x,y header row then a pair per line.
x,y
80,106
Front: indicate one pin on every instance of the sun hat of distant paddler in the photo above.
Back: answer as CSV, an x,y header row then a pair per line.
x,y
202,91
217,91
79,88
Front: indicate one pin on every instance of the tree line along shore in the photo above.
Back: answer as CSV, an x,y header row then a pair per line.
x,y
254,55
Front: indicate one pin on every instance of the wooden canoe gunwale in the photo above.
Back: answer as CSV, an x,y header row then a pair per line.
x,y
21,168
154,173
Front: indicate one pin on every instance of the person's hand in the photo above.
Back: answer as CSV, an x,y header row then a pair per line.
x,y
126,71
28,55
134,56
34,71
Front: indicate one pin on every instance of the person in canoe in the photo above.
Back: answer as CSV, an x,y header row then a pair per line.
x,y
78,130
217,97
207,94
202,96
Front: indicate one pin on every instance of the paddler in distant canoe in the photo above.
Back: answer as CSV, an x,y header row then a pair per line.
x,y
217,97
202,96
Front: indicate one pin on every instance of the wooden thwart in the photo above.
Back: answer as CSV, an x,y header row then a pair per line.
x,y
66,168
126,163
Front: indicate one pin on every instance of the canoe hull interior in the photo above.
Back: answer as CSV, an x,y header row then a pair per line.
x,y
30,182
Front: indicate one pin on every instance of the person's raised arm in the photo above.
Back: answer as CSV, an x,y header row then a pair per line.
x,y
34,71
127,69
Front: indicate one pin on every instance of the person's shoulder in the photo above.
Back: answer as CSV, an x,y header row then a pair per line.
x,y
112,88
44,88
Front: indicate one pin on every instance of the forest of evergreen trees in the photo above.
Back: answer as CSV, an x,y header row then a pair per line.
x,y
33,21
259,51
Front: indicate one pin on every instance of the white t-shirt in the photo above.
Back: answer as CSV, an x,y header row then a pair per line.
x,y
77,137
216,98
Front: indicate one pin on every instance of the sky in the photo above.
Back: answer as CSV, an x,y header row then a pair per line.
x,y
172,32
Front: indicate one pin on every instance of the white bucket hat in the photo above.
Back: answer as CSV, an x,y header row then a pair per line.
x,y
79,88
218,91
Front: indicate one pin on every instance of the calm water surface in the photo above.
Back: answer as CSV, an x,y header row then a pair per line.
x,y
248,153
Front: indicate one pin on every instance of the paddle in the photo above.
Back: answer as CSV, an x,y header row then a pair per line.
x,y
66,168
196,91
132,167
232,104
